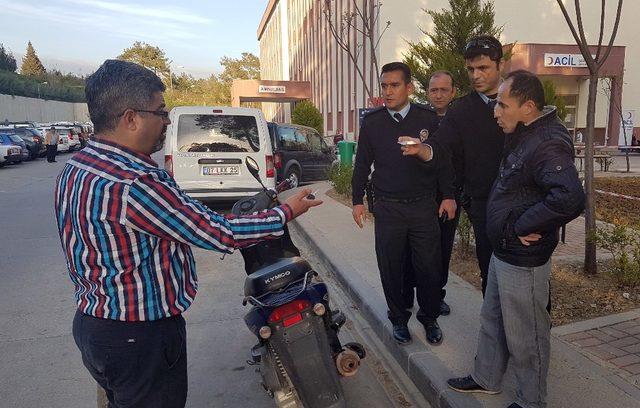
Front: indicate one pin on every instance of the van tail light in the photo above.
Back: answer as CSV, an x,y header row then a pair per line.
x,y
277,161
271,171
168,164
291,313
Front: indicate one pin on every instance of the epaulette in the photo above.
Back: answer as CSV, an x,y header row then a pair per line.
x,y
424,106
373,110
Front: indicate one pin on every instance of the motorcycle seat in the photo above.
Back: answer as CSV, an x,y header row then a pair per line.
x,y
276,276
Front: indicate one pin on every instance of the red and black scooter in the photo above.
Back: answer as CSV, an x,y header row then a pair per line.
x,y
299,355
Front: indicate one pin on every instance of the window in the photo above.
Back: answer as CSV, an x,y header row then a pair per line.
x,y
218,133
571,105
292,139
314,140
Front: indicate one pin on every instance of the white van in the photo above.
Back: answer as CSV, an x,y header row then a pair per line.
x,y
206,147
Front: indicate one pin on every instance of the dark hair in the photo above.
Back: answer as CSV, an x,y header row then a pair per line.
x,y
483,45
441,73
398,66
117,86
525,86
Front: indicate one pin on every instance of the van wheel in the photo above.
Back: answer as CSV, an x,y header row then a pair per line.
x,y
294,175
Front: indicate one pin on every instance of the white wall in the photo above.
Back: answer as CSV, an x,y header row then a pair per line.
x,y
17,108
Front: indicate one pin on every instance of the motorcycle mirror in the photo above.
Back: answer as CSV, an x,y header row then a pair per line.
x,y
254,169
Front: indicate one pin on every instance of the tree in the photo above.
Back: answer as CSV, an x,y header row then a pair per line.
x,y
443,47
552,98
31,65
148,56
7,60
245,67
365,21
594,63
305,113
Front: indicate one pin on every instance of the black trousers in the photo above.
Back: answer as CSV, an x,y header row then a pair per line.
x,y
477,211
52,150
413,225
447,237
139,364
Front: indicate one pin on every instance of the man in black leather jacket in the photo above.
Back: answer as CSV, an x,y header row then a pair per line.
x,y
537,191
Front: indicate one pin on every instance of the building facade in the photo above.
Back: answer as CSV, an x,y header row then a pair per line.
x,y
297,44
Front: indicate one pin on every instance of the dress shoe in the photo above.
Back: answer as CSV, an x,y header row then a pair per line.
x,y
445,310
468,384
515,405
401,334
434,334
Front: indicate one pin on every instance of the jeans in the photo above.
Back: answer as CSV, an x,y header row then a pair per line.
x,y
515,327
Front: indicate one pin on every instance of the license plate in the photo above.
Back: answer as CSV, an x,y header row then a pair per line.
x,y
220,170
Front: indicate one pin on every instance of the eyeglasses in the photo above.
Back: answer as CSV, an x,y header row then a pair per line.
x,y
162,113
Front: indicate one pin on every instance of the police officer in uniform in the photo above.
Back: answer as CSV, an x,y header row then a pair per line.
x,y
405,183
440,93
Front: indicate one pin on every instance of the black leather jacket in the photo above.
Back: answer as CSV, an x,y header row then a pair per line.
x,y
537,191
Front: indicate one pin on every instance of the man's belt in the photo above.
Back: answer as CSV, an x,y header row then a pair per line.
x,y
404,200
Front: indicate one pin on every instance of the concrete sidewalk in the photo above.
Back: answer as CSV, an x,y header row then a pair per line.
x,y
574,380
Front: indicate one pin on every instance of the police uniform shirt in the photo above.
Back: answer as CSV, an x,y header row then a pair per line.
x,y
395,175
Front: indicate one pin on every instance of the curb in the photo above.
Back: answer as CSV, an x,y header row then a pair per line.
x,y
427,371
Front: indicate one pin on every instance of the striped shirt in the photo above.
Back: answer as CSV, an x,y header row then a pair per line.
x,y
126,229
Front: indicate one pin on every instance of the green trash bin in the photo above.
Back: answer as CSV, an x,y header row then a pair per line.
x,y
346,150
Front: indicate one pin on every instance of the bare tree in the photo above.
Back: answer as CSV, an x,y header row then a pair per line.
x,y
363,19
607,90
594,63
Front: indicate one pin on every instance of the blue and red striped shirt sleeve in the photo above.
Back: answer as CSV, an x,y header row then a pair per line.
x,y
155,205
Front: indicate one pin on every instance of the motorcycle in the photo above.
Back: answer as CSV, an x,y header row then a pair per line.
x,y
298,354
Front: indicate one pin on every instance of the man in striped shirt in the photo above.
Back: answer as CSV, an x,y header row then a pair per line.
x,y
126,231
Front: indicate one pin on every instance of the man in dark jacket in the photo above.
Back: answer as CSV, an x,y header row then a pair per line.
x,y
537,191
475,140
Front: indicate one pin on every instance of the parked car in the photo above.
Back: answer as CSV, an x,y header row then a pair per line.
x,y
10,154
300,153
77,132
10,139
73,138
32,138
206,148
63,141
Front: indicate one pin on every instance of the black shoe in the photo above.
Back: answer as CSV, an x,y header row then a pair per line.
x,y
515,405
401,334
468,384
445,310
434,334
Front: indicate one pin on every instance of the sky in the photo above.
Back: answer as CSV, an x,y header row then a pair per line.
x,y
78,35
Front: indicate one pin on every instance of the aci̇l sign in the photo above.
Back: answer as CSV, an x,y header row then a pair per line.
x,y
564,60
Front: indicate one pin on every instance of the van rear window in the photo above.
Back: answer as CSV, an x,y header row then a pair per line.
x,y
217,133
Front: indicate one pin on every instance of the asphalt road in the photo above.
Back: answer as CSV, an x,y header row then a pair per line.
x,y
40,365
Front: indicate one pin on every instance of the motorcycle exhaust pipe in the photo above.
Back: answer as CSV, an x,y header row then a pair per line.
x,y
347,363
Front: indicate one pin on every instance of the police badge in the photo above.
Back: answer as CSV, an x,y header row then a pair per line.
x,y
424,135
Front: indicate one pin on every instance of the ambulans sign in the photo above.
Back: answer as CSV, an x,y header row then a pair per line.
x,y
564,60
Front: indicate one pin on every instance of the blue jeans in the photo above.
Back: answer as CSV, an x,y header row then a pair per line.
x,y
515,327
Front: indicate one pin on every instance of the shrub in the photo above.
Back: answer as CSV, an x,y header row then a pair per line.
x,y
340,178
463,232
624,245
306,114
